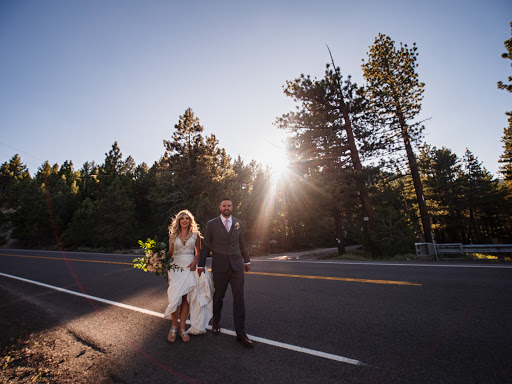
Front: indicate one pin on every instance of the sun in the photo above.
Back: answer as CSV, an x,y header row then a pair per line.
x,y
279,165
279,168
275,158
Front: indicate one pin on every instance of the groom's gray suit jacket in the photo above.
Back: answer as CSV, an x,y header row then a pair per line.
x,y
227,248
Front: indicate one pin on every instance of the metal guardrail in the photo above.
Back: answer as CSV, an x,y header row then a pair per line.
x,y
450,248
429,249
489,248
425,250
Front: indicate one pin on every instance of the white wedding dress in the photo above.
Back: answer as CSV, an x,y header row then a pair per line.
x,y
199,290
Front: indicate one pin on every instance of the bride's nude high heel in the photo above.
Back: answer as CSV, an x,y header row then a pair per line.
x,y
184,336
172,334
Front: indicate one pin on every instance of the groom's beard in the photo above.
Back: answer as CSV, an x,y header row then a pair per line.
x,y
226,213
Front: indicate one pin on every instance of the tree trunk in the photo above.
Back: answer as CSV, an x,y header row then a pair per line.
x,y
473,227
425,218
361,185
360,182
339,231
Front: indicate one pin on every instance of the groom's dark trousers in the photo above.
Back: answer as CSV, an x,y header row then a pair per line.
x,y
229,253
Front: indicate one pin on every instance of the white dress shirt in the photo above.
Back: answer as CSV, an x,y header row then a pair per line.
x,y
229,219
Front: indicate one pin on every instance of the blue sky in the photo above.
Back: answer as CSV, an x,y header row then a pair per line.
x,y
75,76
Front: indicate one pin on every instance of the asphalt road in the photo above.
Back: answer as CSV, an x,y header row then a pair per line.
x,y
313,321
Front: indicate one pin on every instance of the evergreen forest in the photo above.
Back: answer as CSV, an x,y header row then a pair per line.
x,y
359,172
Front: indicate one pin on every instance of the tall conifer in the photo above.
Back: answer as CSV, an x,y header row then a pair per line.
x,y
394,94
506,157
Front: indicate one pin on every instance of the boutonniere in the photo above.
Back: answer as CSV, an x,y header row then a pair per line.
x,y
237,225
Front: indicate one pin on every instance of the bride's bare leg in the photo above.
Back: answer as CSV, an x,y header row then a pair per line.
x,y
174,326
185,308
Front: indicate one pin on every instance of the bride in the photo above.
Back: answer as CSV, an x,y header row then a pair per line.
x,y
187,292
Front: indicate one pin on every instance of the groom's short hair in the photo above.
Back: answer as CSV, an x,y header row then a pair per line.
x,y
226,198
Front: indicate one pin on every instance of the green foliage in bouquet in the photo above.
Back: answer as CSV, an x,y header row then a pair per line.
x,y
155,259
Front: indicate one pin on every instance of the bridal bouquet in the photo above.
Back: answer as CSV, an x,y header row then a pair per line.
x,y
155,259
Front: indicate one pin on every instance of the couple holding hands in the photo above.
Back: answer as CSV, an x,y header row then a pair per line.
x,y
191,290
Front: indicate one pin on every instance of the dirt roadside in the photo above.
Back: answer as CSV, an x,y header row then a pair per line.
x,y
35,347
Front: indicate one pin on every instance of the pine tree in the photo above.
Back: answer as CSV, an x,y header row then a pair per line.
x,y
396,221
14,169
35,222
84,229
117,215
194,173
507,55
326,133
31,220
12,173
506,157
114,164
394,94
440,169
186,138
142,184
89,180
485,202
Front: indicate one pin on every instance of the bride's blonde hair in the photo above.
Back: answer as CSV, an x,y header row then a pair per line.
x,y
174,228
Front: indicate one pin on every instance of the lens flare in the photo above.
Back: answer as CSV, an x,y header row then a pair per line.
x,y
279,165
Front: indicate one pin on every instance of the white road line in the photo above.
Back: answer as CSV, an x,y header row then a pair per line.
x,y
340,262
434,264
223,330
126,306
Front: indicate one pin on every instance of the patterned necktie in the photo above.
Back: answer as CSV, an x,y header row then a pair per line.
x,y
226,225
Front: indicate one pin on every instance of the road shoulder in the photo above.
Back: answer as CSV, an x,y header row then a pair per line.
x,y
36,347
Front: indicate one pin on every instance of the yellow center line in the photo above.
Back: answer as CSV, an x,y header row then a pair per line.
x,y
338,278
67,258
391,282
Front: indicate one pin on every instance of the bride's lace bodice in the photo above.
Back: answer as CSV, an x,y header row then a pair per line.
x,y
186,249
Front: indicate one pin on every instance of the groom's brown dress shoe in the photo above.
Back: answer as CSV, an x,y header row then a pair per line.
x,y
216,328
245,341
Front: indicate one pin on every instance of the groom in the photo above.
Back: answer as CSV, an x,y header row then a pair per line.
x,y
224,239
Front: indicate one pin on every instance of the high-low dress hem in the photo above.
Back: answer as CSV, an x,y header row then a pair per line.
x,y
186,282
